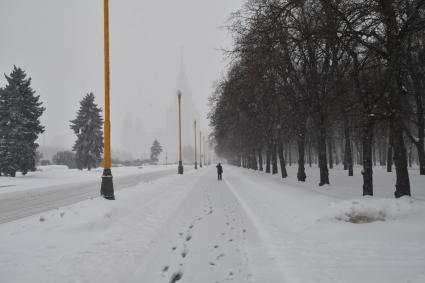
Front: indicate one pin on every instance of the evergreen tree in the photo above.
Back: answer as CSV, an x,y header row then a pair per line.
x,y
20,110
88,128
156,150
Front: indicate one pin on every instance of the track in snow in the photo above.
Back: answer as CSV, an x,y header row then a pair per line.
x,y
209,240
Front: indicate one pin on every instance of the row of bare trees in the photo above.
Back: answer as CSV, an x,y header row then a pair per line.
x,y
325,77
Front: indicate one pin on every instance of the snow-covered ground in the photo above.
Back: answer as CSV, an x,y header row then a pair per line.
x,y
53,175
36,194
251,227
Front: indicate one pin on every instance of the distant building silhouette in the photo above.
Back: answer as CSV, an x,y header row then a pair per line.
x,y
189,114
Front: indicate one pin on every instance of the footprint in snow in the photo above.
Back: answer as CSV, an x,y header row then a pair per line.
x,y
176,277
165,269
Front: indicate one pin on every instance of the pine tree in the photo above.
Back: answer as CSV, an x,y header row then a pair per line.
x,y
156,150
88,128
20,110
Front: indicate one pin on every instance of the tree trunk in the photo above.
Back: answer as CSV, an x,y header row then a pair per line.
x,y
367,138
390,151
268,153
282,159
382,152
421,157
310,158
348,155
420,118
301,176
254,160
274,158
394,47
260,159
337,155
323,163
345,152
421,137
400,159
330,153
289,150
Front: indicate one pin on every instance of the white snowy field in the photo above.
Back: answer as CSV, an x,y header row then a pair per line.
x,y
53,175
251,227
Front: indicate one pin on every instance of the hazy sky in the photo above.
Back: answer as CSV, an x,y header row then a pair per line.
x,y
59,43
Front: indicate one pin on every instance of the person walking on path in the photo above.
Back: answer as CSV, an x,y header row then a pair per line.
x,y
219,171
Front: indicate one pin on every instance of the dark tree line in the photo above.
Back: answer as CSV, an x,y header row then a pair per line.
x,y
328,81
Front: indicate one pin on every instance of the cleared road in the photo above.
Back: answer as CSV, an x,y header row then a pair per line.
x,y
18,205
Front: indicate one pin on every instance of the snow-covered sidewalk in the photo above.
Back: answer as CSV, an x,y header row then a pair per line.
x,y
251,227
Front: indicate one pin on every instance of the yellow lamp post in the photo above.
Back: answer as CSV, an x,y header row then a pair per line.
x,y
107,187
196,161
180,168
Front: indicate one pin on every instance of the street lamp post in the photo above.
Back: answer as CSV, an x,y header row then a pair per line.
x,y
107,187
200,149
196,161
180,168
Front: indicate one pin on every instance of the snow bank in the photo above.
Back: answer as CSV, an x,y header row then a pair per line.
x,y
48,168
369,209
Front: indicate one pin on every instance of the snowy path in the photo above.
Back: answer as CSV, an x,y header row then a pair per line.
x,y
210,239
250,228
21,204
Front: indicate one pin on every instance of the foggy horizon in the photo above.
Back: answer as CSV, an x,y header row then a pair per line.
x,y
59,44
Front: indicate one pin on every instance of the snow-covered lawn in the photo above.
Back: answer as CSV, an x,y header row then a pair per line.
x,y
311,231
252,227
53,175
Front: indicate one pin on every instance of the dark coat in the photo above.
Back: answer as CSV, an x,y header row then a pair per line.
x,y
219,169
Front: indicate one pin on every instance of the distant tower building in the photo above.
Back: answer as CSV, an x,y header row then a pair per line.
x,y
189,114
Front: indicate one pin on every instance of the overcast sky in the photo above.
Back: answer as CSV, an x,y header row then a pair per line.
x,y
59,43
